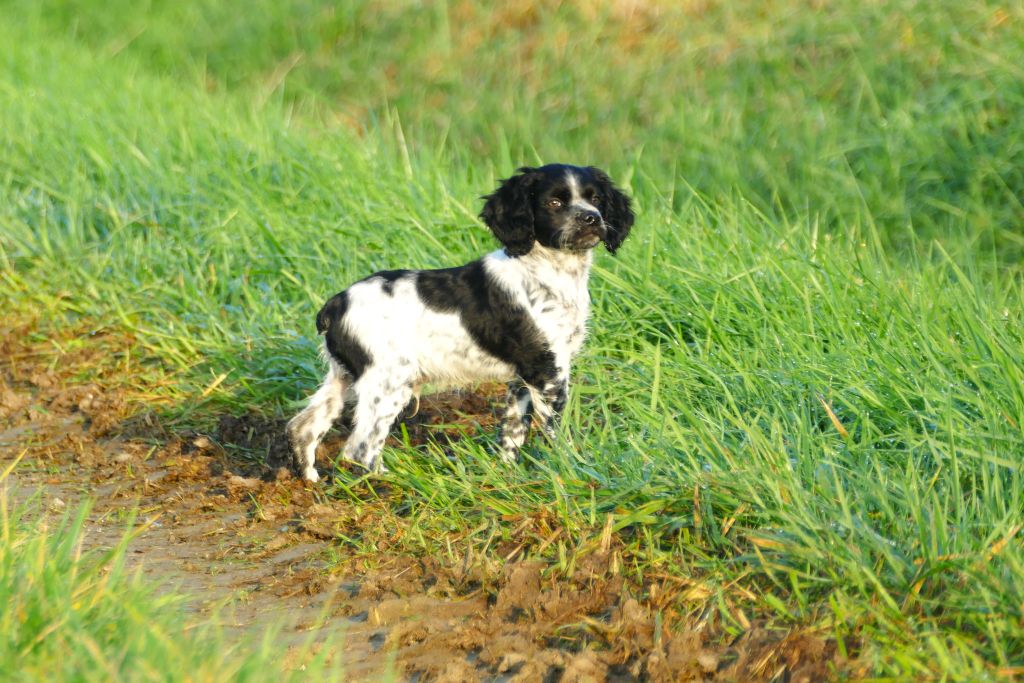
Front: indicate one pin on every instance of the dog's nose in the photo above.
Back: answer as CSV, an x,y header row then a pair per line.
x,y
588,218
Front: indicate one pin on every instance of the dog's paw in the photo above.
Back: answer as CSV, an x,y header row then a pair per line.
x,y
376,467
310,475
508,456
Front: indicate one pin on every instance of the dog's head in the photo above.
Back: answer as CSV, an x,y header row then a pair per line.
x,y
560,207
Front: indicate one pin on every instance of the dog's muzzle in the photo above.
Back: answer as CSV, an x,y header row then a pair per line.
x,y
589,228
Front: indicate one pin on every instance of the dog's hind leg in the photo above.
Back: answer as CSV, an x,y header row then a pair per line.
x,y
306,429
380,398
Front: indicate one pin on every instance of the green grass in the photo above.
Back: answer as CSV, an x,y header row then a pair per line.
x,y
804,370
72,615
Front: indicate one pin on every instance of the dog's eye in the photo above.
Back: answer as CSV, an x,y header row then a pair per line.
x,y
555,203
594,200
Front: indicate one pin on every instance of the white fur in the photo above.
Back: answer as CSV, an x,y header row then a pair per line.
x,y
553,288
424,346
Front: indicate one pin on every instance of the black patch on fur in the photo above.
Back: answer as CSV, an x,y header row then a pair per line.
x,y
615,209
342,346
508,212
358,453
496,323
389,277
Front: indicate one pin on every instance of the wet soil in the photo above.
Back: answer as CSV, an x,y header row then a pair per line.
x,y
219,517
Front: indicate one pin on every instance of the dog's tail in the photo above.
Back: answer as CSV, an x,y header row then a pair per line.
x,y
340,344
331,312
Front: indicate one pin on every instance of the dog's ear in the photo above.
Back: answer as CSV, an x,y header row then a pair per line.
x,y
508,212
615,209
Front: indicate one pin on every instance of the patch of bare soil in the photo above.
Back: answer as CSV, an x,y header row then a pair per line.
x,y
254,545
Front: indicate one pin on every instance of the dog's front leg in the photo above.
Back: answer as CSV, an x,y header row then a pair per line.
x,y
526,403
558,396
514,427
549,403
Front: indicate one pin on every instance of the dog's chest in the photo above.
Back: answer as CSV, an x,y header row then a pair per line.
x,y
559,303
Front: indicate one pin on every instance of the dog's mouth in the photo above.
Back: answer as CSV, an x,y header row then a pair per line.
x,y
581,239
588,238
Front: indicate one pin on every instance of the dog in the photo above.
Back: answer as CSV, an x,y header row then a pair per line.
x,y
517,315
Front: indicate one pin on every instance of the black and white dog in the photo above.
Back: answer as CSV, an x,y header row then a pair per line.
x,y
518,314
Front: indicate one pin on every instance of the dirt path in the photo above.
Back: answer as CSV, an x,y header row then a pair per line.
x,y
221,520
251,549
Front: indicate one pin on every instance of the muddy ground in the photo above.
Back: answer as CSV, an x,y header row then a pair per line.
x,y
221,518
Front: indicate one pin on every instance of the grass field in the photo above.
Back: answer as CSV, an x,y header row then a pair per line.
x,y
803,391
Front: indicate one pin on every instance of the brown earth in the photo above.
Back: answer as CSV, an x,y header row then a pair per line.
x,y
221,519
